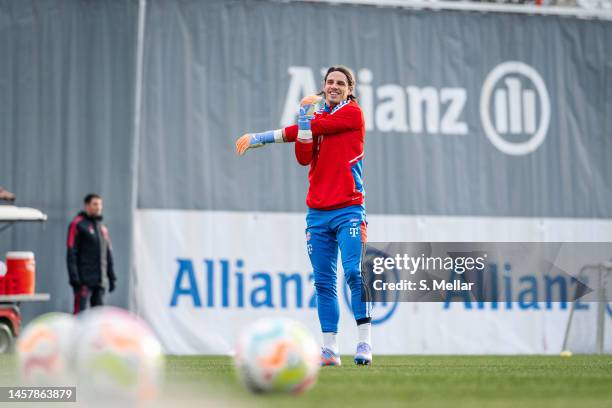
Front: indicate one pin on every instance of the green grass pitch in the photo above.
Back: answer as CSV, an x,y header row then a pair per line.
x,y
406,381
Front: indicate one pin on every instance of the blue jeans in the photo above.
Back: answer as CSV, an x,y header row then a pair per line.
x,y
326,232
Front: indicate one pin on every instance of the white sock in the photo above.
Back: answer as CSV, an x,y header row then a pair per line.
x,y
365,333
330,341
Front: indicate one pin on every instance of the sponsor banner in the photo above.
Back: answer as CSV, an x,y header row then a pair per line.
x,y
201,276
466,113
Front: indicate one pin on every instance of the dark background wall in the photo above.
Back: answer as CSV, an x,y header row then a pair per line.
x,y
66,112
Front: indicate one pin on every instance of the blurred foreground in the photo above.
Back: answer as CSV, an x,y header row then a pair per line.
x,y
421,381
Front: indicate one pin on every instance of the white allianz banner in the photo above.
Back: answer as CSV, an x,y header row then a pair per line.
x,y
199,277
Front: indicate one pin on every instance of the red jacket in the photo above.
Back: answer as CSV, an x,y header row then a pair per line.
x,y
335,157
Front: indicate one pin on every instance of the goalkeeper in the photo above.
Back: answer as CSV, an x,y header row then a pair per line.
x,y
329,136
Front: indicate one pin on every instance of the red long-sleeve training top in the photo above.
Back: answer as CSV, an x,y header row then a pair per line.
x,y
335,156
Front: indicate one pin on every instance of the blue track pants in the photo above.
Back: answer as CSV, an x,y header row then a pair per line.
x,y
326,232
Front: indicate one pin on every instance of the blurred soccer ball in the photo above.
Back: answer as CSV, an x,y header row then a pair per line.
x,y
118,358
277,355
44,349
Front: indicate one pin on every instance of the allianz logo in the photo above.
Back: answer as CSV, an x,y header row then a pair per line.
x,y
224,284
514,106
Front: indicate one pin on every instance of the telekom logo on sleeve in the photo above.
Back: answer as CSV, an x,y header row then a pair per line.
x,y
515,108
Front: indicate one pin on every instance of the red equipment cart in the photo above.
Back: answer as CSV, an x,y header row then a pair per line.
x,y
10,316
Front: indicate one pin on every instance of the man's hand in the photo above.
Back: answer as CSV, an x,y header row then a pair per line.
x,y
76,286
111,286
254,140
248,141
308,106
6,195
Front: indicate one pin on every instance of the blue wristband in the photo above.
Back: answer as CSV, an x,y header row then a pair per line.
x,y
304,123
264,137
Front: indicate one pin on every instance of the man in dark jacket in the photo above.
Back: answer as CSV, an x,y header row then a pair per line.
x,y
89,257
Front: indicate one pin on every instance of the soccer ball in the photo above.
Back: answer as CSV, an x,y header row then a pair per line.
x,y
118,358
277,355
43,350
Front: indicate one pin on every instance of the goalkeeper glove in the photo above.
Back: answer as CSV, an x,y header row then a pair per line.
x,y
255,140
308,106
